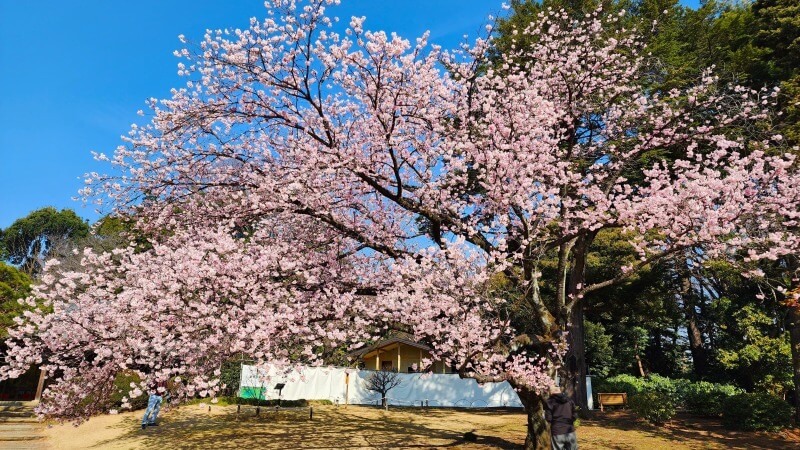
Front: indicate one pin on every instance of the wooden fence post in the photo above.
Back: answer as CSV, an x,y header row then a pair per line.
x,y
40,386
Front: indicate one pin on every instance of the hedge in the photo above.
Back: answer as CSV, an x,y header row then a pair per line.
x,y
702,398
756,412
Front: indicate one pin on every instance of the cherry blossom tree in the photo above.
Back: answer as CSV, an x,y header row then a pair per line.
x,y
310,187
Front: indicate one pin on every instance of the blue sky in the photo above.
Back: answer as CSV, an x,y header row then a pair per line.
x,y
73,74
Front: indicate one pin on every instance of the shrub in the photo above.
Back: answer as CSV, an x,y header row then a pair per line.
x,y
621,383
683,389
702,397
653,406
756,412
665,386
632,385
707,399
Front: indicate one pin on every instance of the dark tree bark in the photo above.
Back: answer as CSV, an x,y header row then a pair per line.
x,y
696,345
538,436
695,334
794,339
575,369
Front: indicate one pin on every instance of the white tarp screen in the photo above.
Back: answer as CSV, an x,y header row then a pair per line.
x,y
348,385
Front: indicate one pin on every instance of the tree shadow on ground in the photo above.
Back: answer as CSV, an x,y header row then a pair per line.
x,y
694,430
330,428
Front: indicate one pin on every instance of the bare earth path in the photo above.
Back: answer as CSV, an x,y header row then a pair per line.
x,y
357,427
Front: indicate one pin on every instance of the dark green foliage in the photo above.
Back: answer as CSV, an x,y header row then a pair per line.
x,y
122,388
118,231
701,397
230,376
653,406
708,399
761,360
641,328
777,36
756,412
750,336
14,285
599,352
27,241
633,385
111,226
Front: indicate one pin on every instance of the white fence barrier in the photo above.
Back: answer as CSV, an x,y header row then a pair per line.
x,y
344,385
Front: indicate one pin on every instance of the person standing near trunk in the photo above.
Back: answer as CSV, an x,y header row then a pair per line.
x,y
560,413
154,405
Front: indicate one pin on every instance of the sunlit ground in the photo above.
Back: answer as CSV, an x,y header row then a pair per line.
x,y
190,427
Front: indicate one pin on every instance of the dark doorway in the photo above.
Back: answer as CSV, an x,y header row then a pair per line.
x,y
22,388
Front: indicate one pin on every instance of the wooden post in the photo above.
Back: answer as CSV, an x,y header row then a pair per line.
x,y
40,386
378,360
399,366
310,413
347,388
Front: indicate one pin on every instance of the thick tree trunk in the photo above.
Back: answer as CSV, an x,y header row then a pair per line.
x,y
696,345
538,436
574,372
794,340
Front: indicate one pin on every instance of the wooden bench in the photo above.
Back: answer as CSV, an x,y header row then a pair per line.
x,y
612,399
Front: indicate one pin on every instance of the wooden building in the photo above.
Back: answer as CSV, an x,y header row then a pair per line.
x,y
398,354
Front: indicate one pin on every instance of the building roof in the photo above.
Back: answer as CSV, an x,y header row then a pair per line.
x,y
387,342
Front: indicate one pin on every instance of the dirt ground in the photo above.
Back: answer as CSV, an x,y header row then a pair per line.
x,y
359,427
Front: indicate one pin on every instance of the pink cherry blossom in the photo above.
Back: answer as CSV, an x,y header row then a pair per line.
x,y
310,188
